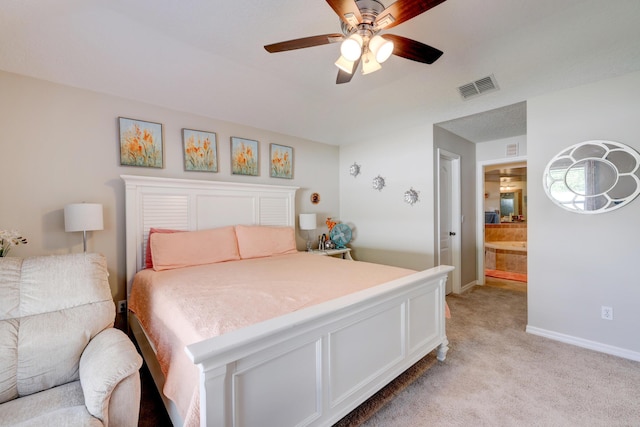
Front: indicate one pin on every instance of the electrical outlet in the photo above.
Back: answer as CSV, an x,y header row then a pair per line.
x,y
122,306
607,312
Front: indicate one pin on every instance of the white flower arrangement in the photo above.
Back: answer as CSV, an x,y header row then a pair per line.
x,y
9,238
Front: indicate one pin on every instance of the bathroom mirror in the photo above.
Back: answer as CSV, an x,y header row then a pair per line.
x,y
593,177
505,192
511,204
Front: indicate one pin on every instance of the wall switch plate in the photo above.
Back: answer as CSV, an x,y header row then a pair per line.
x,y
607,312
122,306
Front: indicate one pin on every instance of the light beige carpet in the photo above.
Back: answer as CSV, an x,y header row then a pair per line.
x,y
498,375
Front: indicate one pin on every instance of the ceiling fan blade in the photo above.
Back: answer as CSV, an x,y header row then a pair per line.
x,y
304,42
413,50
403,10
344,77
347,10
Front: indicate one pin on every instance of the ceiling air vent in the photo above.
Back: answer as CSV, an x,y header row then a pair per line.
x,y
480,86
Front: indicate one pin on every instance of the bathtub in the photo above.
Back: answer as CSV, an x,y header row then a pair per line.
x,y
506,256
507,246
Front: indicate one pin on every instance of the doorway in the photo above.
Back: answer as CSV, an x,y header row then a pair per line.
x,y
502,223
492,132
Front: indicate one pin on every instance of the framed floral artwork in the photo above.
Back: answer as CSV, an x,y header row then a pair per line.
x,y
200,150
244,156
141,143
281,161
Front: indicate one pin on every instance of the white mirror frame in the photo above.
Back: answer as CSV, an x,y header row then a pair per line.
x,y
571,178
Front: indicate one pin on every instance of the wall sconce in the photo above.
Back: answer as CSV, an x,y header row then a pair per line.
x,y
83,217
308,222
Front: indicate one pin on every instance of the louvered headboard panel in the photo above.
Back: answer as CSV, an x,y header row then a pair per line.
x,y
186,204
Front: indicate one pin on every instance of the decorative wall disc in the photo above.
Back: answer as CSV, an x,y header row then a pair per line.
x,y
354,169
411,196
378,183
315,198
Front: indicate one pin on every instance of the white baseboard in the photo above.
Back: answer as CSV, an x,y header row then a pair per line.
x,y
580,342
468,286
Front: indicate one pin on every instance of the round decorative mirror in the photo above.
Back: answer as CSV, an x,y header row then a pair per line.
x,y
593,177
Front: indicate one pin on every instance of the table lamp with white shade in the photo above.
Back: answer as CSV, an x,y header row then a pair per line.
x,y
83,217
308,222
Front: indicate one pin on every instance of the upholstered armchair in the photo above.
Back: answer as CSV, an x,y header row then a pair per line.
x,y
61,360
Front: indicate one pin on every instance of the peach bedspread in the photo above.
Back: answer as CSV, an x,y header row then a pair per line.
x,y
186,305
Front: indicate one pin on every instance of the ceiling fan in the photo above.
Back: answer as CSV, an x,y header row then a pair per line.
x,y
361,21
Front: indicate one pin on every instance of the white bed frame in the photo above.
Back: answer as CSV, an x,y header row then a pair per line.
x,y
310,367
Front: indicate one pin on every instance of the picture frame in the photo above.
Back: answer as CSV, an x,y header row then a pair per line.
x,y
281,161
200,149
244,156
141,143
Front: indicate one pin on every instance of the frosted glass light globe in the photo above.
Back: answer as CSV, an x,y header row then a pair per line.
x,y
351,47
381,48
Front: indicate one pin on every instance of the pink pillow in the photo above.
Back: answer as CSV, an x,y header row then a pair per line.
x,y
175,250
261,241
148,263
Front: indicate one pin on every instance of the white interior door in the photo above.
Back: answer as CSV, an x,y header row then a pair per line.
x,y
449,216
445,215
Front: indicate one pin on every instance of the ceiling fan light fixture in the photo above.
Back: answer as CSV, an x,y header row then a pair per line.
x,y
369,63
351,47
384,21
381,48
360,23
345,65
351,19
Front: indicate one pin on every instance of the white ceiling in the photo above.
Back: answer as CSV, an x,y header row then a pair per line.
x,y
206,57
499,123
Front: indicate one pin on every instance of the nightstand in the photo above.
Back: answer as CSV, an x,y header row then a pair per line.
x,y
344,253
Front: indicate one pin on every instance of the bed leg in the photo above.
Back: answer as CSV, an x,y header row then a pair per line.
x,y
442,350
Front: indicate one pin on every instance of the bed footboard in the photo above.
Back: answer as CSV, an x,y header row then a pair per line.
x,y
314,366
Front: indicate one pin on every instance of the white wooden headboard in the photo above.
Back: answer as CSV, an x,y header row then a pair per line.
x,y
186,204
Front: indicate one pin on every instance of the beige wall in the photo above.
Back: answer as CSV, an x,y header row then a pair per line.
x,y
59,145
386,229
576,263
579,263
